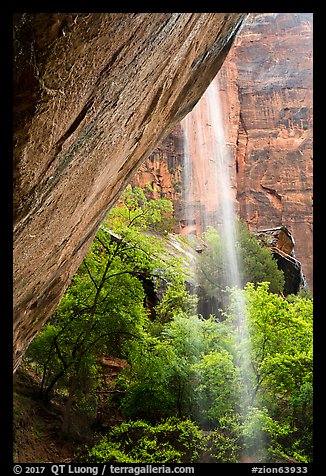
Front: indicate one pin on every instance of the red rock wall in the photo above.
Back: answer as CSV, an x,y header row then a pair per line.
x,y
266,92
274,153
163,170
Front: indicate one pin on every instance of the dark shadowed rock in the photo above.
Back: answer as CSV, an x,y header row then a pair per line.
x,y
281,243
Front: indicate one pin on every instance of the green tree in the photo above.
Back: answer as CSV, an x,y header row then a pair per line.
x,y
162,374
256,263
281,357
103,309
217,387
281,340
175,300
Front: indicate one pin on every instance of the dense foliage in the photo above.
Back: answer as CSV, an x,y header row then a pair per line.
x,y
183,374
256,263
170,441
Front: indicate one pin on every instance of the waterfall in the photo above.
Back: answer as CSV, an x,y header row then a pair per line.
x,y
210,199
222,159
189,215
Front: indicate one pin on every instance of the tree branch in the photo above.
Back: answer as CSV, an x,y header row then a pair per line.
x,y
90,275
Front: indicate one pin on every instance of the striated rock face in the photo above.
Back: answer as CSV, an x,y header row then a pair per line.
x,y
163,170
93,96
274,150
265,86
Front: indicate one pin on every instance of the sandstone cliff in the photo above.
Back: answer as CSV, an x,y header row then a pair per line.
x,y
265,86
274,147
93,95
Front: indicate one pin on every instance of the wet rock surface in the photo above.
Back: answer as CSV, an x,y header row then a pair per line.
x,y
274,146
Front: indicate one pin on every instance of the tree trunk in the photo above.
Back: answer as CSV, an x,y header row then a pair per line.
x,y
73,383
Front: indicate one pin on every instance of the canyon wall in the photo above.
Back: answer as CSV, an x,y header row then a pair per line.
x,y
265,86
274,150
94,93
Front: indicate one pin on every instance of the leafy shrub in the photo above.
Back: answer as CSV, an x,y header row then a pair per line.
x,y
226,443
171,441
256,263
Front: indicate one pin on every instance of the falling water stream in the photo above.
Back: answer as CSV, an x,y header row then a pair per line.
x,y
209,199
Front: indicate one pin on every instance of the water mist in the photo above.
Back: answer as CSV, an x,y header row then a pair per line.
x,y
210,199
